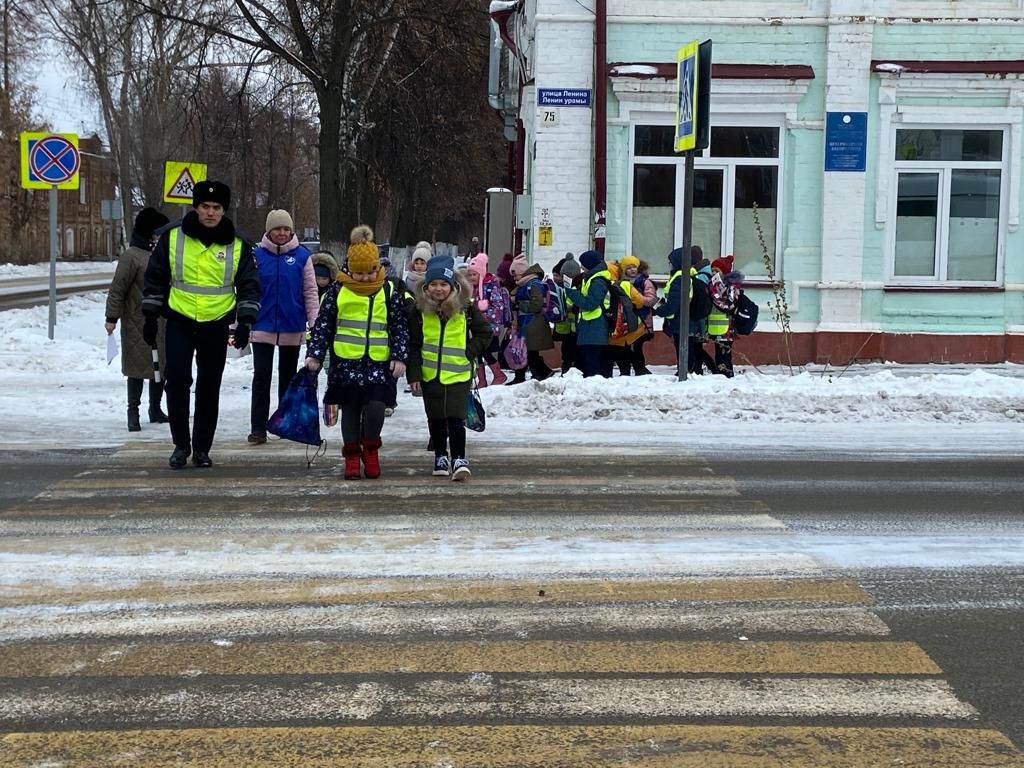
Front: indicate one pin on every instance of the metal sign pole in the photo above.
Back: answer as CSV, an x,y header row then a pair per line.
x,y
53,260
684,293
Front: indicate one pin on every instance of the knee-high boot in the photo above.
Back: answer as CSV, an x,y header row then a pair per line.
x,y
156,414
134,398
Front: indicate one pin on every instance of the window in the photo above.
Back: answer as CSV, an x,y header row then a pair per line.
x,y
82,198
740,168
948,205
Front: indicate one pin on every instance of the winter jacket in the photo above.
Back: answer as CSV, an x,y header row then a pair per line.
x,y
290,302
364,371
158,273
446,400
124,304
725,292
529,303
591,333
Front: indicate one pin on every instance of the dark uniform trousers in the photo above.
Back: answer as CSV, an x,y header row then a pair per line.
x,y
207,343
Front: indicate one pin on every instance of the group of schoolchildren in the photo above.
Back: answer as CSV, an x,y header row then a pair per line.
x,y
441,326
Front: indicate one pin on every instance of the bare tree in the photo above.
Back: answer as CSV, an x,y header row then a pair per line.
x,y
342,49
437,144
140,69
17,106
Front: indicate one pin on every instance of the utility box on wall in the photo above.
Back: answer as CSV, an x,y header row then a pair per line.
x,y
499,221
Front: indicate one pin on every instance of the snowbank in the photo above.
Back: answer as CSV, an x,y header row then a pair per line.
x,y
63,393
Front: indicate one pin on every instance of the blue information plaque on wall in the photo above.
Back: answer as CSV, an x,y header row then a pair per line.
x,y
846,141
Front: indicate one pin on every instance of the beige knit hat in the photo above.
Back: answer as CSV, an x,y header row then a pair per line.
x,y
279,218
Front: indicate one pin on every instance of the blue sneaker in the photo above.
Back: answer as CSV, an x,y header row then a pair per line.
x,y
441,467
460,470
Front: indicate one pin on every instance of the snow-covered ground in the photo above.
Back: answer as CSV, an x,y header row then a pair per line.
x,y
63,394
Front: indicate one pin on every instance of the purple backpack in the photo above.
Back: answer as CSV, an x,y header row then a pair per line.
x,y
499,306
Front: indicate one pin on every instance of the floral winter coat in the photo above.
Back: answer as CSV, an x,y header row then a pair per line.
x,y
364,371
725,292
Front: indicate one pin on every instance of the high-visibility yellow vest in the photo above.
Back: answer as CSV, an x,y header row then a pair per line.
x,y
593,314
668,289
202,276
444,349
362,329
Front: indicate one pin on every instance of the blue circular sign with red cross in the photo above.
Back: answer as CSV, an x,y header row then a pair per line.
x,y
54,160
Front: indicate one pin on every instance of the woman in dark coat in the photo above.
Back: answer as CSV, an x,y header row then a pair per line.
x,y
124,303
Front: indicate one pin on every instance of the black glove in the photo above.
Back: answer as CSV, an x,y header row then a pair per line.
x,y
149,328
241,336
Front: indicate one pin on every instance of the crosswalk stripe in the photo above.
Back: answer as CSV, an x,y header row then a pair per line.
x,y
535,591
99,510
326,657
602,558
401,487
135,620
202,701
525,746
311,526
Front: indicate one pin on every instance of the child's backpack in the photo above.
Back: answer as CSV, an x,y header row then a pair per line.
x,y
620,313
554,302
499,306
700,301
744,317
638,283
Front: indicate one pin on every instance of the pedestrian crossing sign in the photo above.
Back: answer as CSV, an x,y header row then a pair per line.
x,y
180,179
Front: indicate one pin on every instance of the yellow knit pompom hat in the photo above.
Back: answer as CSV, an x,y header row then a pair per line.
x,y
363,255
629,261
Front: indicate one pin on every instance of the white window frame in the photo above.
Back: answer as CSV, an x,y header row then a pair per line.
x,y
945,168
704,161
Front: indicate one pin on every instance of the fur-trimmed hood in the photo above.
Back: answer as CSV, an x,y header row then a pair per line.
x,y
325,259
457,300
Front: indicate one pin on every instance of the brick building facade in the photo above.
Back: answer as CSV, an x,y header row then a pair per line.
x,y
918,256
82,233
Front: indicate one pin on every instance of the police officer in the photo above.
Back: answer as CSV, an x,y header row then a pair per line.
x,y
201,277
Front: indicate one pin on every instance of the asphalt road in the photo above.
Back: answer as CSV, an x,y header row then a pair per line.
x,y
22,292
595,609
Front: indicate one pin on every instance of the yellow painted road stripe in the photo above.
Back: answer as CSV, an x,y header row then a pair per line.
x,y
541,591
445,657
658,746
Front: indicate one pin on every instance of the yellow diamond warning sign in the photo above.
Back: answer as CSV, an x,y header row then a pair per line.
x,y
180,179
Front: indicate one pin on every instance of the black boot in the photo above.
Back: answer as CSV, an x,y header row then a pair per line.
x,y
134,398
156,415
520,377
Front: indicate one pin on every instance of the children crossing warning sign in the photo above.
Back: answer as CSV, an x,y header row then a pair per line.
x,y
180,179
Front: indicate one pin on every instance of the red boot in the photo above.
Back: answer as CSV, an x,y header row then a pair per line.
x,y
499,375
481,377
351,452
371,463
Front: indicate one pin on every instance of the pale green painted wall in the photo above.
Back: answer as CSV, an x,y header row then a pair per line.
x,y
801,243
980,312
